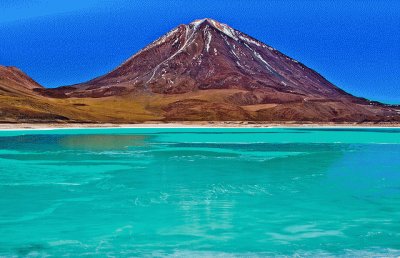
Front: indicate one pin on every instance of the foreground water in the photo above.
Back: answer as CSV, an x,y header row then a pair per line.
x,y
200,192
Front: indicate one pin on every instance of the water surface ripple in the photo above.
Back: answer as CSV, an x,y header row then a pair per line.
x,y
200,192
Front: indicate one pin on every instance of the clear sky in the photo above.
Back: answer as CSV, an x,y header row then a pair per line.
x,y
354,44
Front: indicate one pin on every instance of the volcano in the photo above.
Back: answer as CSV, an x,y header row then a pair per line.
x,y
207,54
207,71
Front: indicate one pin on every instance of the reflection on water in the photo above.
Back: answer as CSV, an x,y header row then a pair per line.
x,y
170,194
101,142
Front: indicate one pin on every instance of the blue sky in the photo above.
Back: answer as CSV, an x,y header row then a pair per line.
x,y
354,44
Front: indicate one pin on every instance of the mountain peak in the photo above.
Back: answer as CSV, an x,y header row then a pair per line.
x,y
208,20
222,27
208,54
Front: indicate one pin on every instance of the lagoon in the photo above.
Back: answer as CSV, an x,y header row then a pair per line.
x,y
185,192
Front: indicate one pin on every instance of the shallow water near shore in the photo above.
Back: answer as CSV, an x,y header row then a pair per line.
x,y
200,192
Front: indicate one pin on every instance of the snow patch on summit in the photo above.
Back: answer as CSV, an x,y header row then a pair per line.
x,y
249,40
224,29
198,22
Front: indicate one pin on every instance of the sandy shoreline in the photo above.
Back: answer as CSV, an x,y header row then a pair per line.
x,y
234,124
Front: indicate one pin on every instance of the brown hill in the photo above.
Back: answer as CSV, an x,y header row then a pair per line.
x,y
21,101
18,100
13,81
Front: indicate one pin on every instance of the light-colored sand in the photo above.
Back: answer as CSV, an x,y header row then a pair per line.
x,y
233,124
258,107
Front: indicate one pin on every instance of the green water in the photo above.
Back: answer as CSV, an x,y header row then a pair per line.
x,y
200,192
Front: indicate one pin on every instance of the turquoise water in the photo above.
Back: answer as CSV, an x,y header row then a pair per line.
x,y
200,192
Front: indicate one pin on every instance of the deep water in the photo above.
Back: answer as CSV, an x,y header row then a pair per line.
x,y
200,192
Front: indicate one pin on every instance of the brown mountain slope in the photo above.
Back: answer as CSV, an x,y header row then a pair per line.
x,y
14,82
21,102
